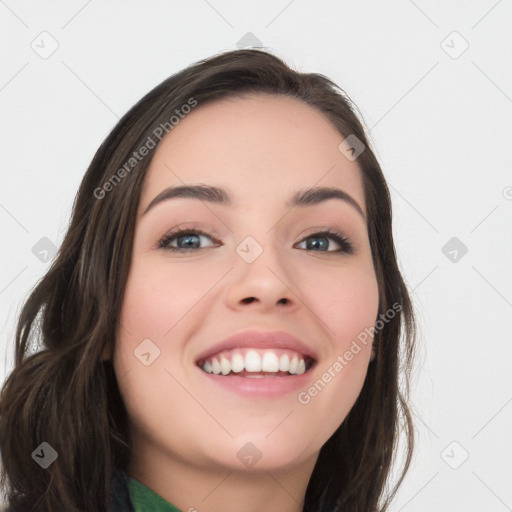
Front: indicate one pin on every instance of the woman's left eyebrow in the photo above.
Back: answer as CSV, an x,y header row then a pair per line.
x,y
218,195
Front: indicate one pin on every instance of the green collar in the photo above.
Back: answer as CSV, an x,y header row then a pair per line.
x,y
146,500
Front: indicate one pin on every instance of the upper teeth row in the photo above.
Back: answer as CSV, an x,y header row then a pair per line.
x,y
254,362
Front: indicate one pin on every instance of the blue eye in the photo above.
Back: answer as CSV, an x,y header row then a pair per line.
x,y
189,240
341,240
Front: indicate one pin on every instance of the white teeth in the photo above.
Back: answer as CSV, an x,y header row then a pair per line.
x,y
225,365
284,363
270,362
252,361
301,368
216,366
237,363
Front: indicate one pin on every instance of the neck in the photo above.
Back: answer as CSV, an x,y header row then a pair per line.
x,y
197,487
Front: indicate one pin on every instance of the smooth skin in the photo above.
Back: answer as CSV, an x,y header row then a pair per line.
x,y
186,431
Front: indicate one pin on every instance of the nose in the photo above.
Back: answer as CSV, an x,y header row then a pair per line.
x,y
263,284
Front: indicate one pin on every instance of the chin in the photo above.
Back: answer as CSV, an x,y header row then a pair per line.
x,y
258,453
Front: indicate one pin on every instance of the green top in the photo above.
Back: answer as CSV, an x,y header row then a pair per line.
x,y
146,500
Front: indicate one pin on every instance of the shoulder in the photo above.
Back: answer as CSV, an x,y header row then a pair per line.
x,y
121,500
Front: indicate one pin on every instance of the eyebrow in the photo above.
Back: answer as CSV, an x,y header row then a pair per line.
x,y
218,195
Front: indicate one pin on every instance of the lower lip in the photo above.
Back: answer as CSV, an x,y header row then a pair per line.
x,y
264,387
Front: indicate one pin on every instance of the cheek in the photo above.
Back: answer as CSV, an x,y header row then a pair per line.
x,y
348,309
159,294
346,303
157,304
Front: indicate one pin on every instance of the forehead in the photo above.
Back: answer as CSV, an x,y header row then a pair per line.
x,y
261,148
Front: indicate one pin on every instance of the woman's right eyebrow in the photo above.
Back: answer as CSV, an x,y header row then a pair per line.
x,y
218,195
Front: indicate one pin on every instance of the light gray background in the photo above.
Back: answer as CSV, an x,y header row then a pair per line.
x,y
441,127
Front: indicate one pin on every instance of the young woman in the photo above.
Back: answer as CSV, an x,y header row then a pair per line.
x,y
225,325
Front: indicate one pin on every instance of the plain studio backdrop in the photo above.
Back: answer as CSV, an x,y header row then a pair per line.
x,y
433,83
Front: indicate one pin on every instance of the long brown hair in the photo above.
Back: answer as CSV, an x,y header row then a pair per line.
x,y
64,394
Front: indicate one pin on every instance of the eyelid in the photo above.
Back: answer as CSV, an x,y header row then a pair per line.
x,y
192,226
322,229
317,229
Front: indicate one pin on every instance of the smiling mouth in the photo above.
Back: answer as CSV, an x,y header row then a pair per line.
x,y
257,363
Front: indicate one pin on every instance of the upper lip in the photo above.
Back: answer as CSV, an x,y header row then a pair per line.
x,y
259,339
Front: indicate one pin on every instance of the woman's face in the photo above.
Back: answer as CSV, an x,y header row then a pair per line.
x,y
255,263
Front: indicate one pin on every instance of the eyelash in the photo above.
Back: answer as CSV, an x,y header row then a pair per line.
x,y
344,242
